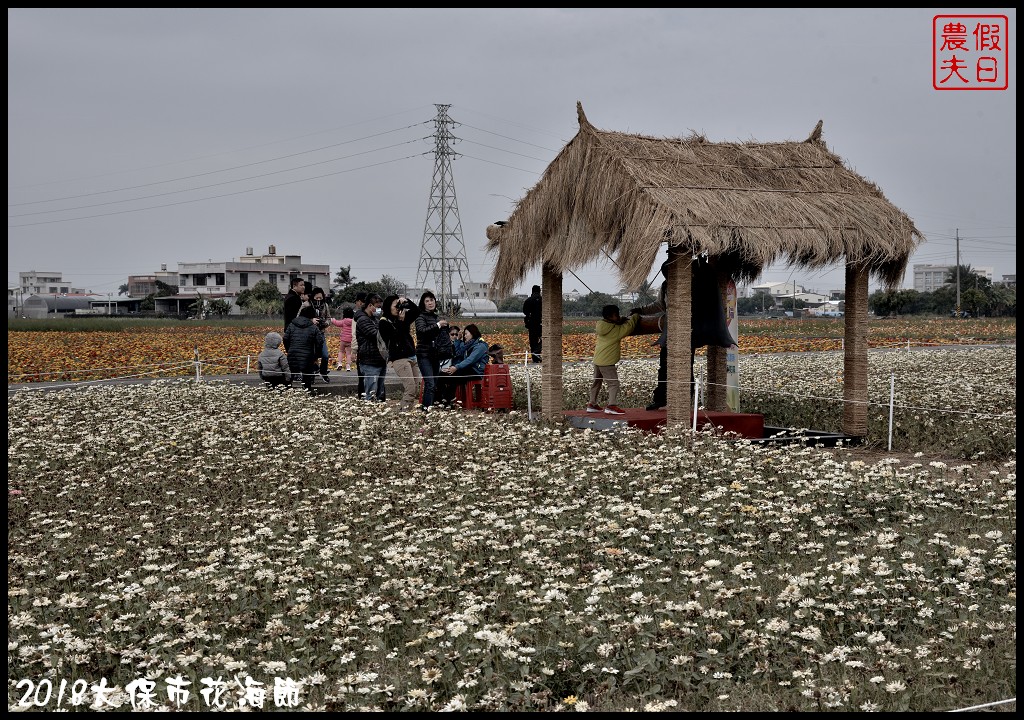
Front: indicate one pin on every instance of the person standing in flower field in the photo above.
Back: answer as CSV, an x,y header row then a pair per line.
x,y
293,301
532,320
429,328
303,341
372,364
611,328
345,342
359,310
395,326
318,299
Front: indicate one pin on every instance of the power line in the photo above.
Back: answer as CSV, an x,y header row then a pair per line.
x,y
206,157
510,152
214,172
225,182
213,197
491,162
507,137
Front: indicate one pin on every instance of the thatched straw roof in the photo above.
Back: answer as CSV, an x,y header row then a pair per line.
x,y
748,204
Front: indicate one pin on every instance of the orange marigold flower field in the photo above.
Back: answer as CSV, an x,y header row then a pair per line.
x,y
229,348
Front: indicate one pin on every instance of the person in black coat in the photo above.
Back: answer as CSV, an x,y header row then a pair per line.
x,y
293,301
708,324
372,364
395,326
302,341
532,320
428,327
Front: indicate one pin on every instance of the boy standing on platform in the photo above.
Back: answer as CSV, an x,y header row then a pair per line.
x,y
611,328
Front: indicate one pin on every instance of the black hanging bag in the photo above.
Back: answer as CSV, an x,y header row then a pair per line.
x,y
441,347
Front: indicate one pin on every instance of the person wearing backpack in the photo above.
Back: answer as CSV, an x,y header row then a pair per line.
x,y
433,344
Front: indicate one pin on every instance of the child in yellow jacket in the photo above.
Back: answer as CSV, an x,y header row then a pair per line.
x,y
611,328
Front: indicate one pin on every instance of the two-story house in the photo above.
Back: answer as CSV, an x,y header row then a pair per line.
x,y
225,280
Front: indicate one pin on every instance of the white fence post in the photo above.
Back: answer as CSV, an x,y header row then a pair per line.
x,y
198,373
529,400
696,401
892,400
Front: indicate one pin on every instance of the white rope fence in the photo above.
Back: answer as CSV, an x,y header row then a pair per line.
x,y
986,705
224,364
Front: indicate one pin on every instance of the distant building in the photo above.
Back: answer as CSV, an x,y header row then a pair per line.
x,y
43,306
225,280
1009,281
475,290
143,285
929,278
34,282
471,306
777,290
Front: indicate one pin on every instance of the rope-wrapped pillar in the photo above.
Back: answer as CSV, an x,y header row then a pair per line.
x,y
551,400
678,294
855,357
717,372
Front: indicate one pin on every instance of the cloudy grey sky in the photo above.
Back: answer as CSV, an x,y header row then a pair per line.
x,y
141,137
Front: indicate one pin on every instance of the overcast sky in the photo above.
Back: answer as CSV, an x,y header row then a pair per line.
x,y
141,137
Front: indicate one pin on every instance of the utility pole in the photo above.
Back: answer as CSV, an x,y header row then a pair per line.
x,y
794,299
443,252
958,272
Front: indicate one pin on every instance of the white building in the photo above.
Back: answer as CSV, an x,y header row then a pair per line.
x,y
776,290
34,282
475,291
928,278
225,280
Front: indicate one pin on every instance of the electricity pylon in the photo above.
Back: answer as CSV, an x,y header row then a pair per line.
x,y
443,253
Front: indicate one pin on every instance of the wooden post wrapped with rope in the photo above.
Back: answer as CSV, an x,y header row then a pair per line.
x,y
855,356
678,294
551,399
717,375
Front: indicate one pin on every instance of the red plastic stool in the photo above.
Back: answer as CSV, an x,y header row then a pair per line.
x,y
471,395
497,387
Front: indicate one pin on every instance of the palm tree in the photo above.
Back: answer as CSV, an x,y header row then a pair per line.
x,y
343,278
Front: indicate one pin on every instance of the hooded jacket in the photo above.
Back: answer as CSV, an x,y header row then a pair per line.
x,y
609,339
271,362
366,340
303,341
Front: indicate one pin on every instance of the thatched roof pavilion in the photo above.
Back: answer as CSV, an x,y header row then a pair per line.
x,y
743,205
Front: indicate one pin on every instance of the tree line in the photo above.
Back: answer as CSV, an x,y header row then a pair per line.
x,y
978,296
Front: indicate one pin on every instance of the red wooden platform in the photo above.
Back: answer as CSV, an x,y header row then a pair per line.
x,y
747,425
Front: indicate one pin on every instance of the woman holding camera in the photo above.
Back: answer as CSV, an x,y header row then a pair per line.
x,y
396,322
